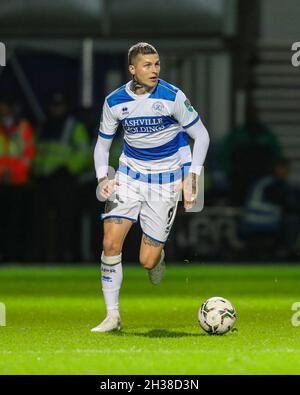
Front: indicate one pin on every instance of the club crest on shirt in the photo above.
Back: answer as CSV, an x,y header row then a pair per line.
x,y
158,107
125,111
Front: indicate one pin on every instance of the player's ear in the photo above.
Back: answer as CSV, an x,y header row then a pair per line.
x,y
131,69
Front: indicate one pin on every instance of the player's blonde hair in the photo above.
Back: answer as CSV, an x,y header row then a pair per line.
x,y
140,48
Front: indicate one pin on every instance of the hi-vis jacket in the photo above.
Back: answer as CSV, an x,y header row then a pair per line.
x,y
16,152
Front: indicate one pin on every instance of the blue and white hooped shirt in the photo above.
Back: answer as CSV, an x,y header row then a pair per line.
x,y
154,127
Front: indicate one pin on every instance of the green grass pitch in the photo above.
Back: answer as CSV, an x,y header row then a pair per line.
x,y
50,311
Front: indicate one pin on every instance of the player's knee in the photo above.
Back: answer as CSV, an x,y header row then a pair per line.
x,y
148,262
110,247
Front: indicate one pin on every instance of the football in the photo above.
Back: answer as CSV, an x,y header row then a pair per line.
x,y
217,316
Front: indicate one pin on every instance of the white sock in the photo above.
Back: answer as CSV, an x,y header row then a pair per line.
x,y
111,278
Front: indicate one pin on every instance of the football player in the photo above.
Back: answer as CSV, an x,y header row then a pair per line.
x,y
157,120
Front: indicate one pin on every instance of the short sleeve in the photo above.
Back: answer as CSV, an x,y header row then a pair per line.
x,y
108,123
184,112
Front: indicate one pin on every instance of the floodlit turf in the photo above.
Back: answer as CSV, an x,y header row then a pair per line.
x,y
50,312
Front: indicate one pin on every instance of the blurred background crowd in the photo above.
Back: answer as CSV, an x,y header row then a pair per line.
x,y
232,59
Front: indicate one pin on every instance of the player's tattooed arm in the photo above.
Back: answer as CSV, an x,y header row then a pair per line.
x,y
117,221
150,242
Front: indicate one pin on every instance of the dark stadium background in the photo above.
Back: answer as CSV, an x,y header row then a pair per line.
x,y
233,60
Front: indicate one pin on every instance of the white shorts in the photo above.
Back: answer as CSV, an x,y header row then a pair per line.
x,y
155,204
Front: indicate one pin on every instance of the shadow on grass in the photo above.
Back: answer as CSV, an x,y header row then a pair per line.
x,y
158,333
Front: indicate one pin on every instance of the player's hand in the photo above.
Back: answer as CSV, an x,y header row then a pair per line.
x,y
190,190
105,188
